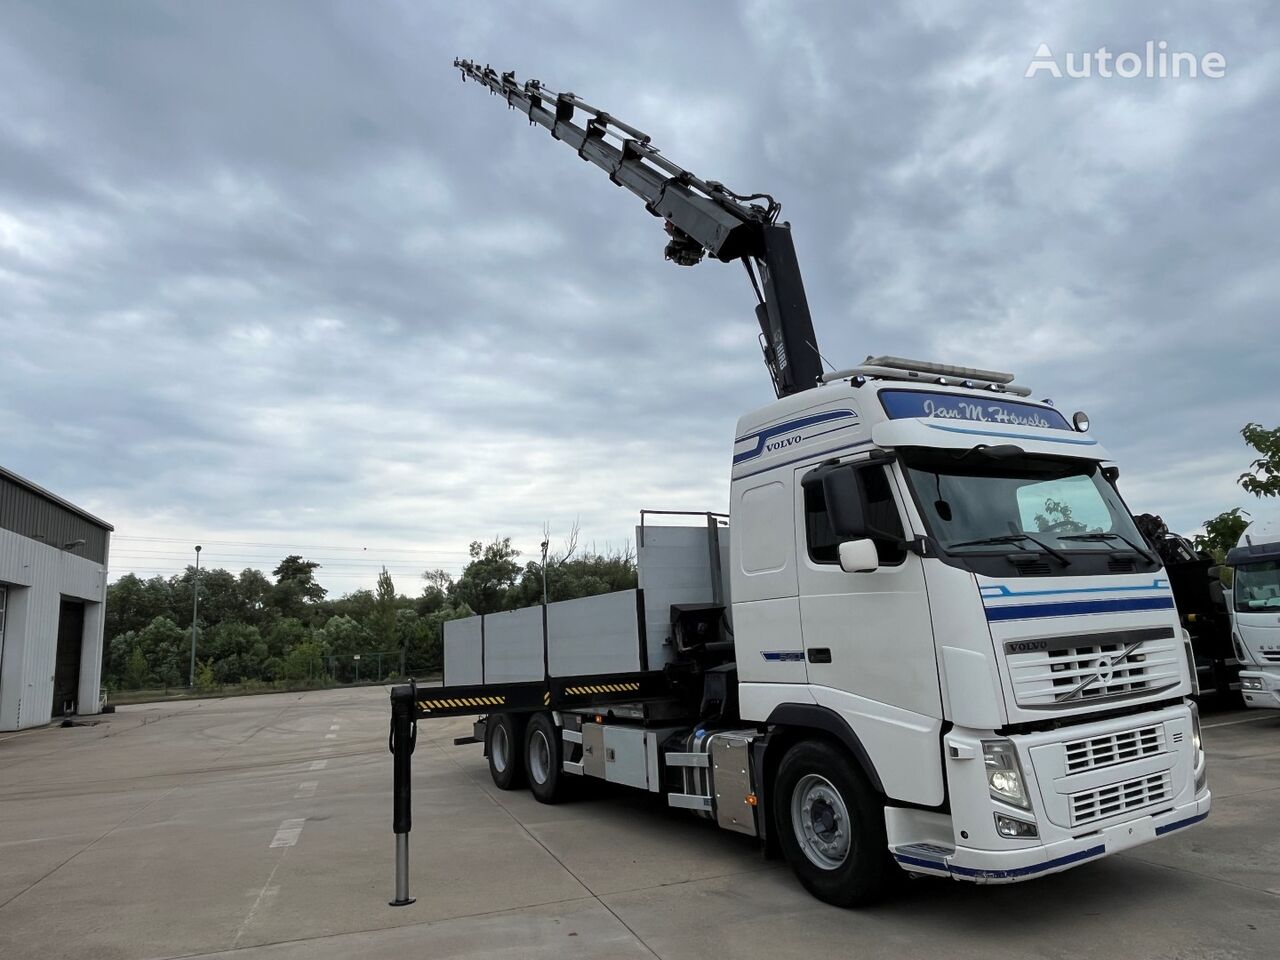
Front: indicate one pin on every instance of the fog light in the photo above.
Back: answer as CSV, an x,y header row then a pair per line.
x,y
1015,829
1251,683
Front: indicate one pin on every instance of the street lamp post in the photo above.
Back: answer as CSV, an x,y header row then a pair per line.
x,y
195,609
545,543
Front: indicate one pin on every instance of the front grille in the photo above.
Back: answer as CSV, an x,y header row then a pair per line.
x,y
1117,798
1114,748
1072,670
1071,667
1271,656
1121,565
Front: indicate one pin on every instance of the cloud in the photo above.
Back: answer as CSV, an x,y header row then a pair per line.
x,y
270,275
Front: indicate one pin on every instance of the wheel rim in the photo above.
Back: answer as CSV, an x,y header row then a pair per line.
x,y
539,756
820,821
499,748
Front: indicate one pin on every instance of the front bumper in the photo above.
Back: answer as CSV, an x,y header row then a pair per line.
x,y
1267,692
1010,866
1092,789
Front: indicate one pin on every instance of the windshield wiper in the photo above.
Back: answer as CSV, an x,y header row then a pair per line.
x,y
1016,539
1105,538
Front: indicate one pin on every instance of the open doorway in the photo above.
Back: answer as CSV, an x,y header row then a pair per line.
x,y
66,674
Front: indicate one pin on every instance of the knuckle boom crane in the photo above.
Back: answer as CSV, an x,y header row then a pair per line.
x,y
701,216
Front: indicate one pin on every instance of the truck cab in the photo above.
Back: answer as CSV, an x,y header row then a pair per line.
x,y
943,574
1255,612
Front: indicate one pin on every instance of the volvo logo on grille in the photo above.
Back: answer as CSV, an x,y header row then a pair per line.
x,y
1026,646
1103,673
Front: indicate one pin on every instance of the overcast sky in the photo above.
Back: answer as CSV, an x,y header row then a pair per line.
x,y
273,280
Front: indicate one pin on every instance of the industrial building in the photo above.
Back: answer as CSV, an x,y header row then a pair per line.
x,y
53,591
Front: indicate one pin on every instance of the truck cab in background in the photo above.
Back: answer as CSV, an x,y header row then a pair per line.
x,y
1255,612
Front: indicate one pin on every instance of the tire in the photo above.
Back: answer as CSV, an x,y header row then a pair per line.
x,y
543,756
830,825
504,746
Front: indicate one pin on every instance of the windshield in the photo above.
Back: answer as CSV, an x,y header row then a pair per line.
x,y
971,504
1257,586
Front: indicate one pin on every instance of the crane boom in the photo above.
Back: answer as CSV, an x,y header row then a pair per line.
x,y
701,216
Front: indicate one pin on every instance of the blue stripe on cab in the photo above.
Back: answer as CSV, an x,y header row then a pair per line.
x,y
1038,611
764,436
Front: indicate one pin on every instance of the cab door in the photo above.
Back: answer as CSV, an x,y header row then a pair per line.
x,y
866,634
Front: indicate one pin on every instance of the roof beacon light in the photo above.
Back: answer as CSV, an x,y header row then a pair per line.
x,y
1081,420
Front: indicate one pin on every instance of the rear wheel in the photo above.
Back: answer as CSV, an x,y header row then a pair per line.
x,y
830,825
543,759
503,742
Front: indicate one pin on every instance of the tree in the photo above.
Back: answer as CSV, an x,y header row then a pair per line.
x,y
237,651
584,575
137,673
1222,533
304,664
1263,476
436,593
382,622
490,575
285,634
342,637
255,598
296,586
206,678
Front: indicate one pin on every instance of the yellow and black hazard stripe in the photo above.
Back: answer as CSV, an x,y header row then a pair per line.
x,y
598,688
459,703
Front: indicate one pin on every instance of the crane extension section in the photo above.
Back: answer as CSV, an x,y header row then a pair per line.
x,y
702,216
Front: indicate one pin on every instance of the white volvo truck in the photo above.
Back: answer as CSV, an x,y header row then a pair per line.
x,y
927,637
1255,612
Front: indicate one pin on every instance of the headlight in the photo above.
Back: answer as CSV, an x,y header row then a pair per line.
x,y
1195,726
1004,774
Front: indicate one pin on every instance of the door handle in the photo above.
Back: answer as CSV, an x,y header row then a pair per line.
x,y
819,654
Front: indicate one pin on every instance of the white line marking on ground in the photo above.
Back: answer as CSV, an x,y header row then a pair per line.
x,y
1232,723
319,764
333,727
306,790
288,833
267,889
331,736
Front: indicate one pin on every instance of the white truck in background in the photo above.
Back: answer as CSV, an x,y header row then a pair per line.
x,y
1255,612
929,638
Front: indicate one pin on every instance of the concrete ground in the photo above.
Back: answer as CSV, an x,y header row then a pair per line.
x,y
259,827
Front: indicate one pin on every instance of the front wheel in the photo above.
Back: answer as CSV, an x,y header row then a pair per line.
x,y
830,825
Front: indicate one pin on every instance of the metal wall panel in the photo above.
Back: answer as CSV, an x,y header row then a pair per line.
x,y
598,634
36,514
513,646
674,565
463,661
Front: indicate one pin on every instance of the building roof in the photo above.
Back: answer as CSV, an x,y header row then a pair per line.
x,y
54,498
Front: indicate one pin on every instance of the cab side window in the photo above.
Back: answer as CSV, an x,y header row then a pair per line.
x,y
881,512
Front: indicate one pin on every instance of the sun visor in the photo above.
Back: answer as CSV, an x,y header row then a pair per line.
x,y
965,434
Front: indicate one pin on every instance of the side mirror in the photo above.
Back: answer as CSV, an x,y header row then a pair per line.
x,y
859,556
842,491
